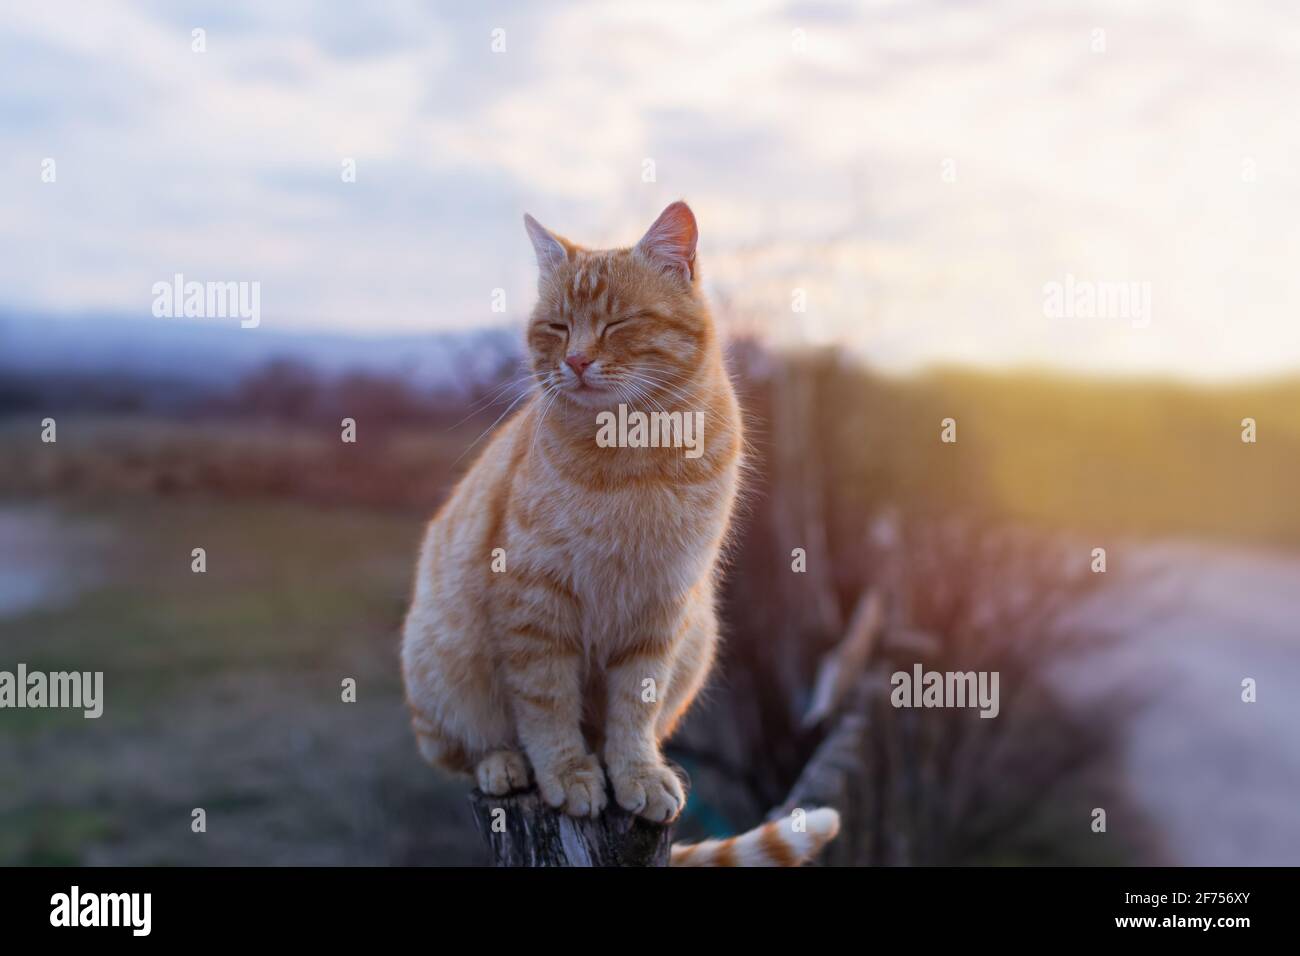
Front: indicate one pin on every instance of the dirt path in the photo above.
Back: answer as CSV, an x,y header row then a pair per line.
x,y
1220,777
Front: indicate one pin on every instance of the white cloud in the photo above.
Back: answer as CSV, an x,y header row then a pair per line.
x,y
819,167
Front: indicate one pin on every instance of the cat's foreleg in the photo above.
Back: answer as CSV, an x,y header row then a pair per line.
x,y
636,681
544,681
692,660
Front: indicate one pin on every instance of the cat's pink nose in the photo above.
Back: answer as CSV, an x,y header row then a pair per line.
x,y
578,361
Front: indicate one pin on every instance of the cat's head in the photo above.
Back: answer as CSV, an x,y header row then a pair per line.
x,y
619,325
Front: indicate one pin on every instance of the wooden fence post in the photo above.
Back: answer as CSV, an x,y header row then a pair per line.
x,y
521,830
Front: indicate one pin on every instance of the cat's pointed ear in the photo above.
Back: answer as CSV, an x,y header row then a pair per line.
x,y
550,248
670,242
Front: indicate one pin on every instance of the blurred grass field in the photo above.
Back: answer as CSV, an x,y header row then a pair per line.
x,y
1129,457
223,688
1118,457
223,691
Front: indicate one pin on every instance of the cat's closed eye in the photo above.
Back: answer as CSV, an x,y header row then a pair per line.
x,y
622,321
557,327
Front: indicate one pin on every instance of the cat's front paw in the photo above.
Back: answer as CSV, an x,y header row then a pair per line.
x,y
502,771
650,790
577,786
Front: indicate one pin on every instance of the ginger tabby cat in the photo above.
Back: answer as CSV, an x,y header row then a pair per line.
x,y
592,629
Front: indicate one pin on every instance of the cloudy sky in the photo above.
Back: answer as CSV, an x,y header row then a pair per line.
x,y
920,169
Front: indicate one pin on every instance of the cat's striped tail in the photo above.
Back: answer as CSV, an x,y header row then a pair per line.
x,y
775,843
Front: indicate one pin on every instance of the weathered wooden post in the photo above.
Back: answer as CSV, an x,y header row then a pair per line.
x,y
521,830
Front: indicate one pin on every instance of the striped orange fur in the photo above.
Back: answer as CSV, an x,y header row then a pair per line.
x,y
563,612
790,841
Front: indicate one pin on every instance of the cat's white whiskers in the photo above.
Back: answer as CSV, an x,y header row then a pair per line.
x,y
640,391
496,395
642,394
673,392
484,433
550,400
661,369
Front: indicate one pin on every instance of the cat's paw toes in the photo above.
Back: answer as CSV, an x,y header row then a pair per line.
x,y
650,790
577,787
502,771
